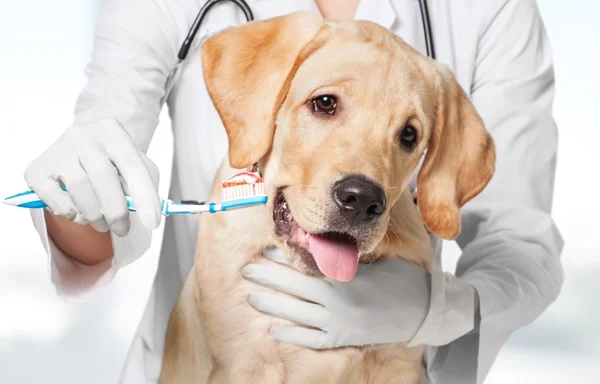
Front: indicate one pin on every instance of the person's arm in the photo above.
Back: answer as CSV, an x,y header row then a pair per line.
x,y
511,246
79,242
135,49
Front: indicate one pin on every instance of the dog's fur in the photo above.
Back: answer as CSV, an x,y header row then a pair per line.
x,y
262,77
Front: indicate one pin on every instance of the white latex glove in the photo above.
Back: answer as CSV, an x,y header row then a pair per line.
x,y
98,164
386,302
389,301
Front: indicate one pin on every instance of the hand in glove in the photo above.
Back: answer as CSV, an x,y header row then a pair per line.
x,y
389,301
98,164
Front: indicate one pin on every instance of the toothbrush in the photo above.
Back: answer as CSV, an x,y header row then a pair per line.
x,y
246,189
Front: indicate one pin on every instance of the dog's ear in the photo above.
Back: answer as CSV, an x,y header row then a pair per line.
x,y
459,162
248,71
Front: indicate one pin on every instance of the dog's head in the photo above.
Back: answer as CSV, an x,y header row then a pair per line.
x,y
338,114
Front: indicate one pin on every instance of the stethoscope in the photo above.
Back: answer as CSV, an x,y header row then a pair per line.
x,y
187,43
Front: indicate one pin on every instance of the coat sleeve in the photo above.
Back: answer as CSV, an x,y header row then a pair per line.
x,y
135,49
510,244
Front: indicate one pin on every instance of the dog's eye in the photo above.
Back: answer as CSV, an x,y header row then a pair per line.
x,y
324,104
408,137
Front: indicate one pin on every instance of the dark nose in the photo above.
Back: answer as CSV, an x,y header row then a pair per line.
x,y
359,199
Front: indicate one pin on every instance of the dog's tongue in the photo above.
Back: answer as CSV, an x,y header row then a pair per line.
x,y
336,259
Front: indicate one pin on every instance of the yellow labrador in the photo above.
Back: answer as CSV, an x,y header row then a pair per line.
x,y
337,116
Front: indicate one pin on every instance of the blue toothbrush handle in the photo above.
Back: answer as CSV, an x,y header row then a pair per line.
x,y
29,199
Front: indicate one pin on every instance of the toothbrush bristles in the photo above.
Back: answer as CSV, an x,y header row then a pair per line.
x,y
243,190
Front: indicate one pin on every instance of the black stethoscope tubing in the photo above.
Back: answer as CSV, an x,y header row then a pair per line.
x,y
427,29
185,47
187,43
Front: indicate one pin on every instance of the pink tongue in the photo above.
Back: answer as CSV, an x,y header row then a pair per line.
x,y
336,260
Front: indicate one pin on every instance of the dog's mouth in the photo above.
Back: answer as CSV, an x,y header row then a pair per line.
x,y
334,254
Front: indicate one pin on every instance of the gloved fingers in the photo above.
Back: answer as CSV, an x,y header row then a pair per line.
x,y
389,267
136,174
287,280
124,186
104,178
303,337
277,255
290,308
152,169
49,191
82,193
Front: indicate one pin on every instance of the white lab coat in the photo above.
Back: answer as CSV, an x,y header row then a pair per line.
x,y
499,52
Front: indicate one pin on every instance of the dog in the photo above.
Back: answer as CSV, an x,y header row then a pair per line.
x,y
336,115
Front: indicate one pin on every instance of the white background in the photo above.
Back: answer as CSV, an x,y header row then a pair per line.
x,y
44,46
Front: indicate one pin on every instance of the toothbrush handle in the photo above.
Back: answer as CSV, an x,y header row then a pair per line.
x,y
168,207
30,200
25,200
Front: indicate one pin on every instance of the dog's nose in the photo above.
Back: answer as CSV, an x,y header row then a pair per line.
x,y
359,199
